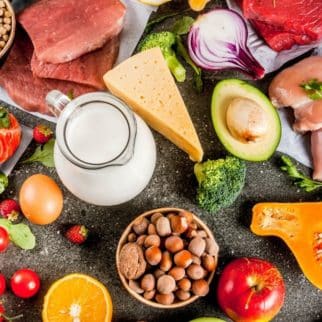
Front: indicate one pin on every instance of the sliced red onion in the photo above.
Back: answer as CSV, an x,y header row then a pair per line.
x,y
218,41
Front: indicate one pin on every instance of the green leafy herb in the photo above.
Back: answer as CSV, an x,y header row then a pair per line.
x,y
313,89
44,154
4,118
70,94
20,234
3,182
160,19
183,25
182,51
299,178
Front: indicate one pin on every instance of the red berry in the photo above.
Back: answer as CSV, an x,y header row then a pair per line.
x,y
77,234
10,209
4,318
25,283
2,312
2,284
42,133
4,239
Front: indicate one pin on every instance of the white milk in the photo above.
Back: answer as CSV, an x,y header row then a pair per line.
x,y
96,133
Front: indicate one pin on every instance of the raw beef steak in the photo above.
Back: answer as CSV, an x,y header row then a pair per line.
x,y
87,69
65,30
284,23
25,89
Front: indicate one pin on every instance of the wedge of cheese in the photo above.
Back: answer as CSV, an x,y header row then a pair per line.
x,y
145,83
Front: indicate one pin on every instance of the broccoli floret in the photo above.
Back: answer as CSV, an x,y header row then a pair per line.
x,y
165,40
220,182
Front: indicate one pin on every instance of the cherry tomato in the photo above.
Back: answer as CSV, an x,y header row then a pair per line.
x,y
25,283
4,239
2,284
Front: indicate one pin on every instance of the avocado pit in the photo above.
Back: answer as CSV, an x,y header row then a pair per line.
x,y
246,120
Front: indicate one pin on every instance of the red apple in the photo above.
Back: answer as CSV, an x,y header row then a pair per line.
x,y
251,290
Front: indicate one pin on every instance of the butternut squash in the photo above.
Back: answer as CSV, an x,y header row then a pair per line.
x,y
300,226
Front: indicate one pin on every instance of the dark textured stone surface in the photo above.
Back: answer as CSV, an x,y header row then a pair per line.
x,y
173,184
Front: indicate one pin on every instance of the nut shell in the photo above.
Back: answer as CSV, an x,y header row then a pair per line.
x,y
184,284
178,273
209,262
166,284
195,272
166,261
179,224
153,255
174,244
200,288
140,226
197,246
183,258
182,295
148,282
152,240
163,227
131,261
165,299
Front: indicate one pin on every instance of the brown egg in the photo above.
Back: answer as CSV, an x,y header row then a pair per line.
x,y
41,199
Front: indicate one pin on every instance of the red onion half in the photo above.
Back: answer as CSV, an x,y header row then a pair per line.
x,y
218,40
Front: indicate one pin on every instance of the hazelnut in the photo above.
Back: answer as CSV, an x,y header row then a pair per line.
x,y
200,287
183,258
182,295
170,215
209,262
152,240
151,229
140,240
184,284
195,272
131,238
188,215
155,217
153,255
174,244
163,227
197,246
196,260
165,299
131,261
178,273
166,262
140,226
134,285
149,295
148,282
166,284
179,224
158,272
193,225
191,233
211,247
202,234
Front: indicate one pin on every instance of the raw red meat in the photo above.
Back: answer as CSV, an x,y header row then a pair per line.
x,y
25,89
284,23
65,30
88,69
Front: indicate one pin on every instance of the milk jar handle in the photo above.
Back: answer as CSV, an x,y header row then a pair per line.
x,y
56,101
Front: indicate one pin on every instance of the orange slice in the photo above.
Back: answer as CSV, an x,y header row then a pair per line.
x,y
77,298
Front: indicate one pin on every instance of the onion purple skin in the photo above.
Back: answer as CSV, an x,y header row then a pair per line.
x,y
209,56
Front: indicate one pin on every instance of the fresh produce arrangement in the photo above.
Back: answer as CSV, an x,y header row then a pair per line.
x,y
67,60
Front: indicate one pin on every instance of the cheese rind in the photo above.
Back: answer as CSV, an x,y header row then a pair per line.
x,y
145,83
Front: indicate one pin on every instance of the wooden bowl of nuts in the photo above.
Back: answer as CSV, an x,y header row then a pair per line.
x,y
7,26
166,258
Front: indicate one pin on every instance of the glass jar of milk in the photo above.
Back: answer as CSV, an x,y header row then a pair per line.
x,y
104,153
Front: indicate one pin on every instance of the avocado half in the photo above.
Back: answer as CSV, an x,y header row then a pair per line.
x,y
224,92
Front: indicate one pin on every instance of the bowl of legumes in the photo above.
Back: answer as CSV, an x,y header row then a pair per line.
x,y
7,26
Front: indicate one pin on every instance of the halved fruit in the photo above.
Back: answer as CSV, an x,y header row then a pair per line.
x,y
245,121
154,2
77,297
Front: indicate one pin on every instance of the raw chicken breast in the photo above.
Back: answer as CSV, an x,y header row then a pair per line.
x,y
308,117
316,149
285,88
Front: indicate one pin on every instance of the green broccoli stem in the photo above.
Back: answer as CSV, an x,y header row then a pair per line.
x,y
176,68
198,172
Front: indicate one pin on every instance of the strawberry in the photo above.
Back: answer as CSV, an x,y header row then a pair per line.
x,y
42,134
77,234
10,209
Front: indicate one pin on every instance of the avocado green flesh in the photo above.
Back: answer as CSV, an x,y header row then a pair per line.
x,y
207,320
224,92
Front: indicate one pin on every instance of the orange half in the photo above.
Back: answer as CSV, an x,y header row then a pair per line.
x,y
77,297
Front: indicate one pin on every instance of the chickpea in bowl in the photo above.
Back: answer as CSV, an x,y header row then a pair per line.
x,y
166,258
7,26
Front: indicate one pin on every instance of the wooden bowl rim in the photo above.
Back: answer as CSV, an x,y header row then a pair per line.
x,y
12,31
123,240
